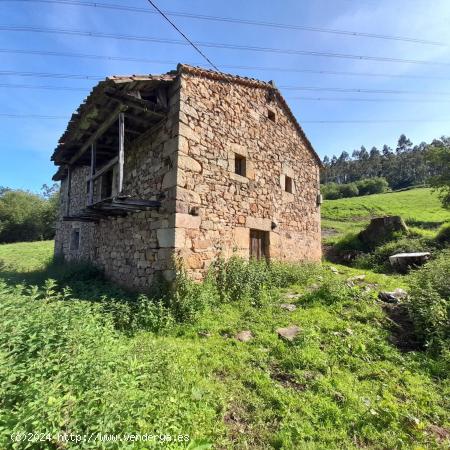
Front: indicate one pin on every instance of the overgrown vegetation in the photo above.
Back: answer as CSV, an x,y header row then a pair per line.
x,y
80,355
429,304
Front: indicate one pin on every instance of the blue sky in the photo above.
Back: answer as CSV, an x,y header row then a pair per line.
x,y
27,143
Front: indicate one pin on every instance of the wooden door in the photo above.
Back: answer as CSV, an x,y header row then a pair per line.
x,y
258,244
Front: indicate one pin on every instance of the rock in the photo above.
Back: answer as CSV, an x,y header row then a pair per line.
x,y
381,229
288,333
356,278
290,295
403,261
205,334
334,270
289,306
314,287
392,297
244,336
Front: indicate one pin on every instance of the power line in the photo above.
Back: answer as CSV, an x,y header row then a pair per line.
x,y
369,121
113,6
358,90
182,34
377,121
218,45
50,88
31,116
225,66
17,73
376,100
305,88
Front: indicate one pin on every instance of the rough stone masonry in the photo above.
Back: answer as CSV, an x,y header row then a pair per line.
x,y
223,155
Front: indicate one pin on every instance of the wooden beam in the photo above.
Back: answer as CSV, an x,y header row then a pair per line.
x,y
91,177
106,167
100,130
121,150
69,187
138,103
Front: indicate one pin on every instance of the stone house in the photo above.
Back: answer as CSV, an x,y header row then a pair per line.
x,y
193,163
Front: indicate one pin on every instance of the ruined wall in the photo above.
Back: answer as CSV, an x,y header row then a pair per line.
x,y
216,208
132,249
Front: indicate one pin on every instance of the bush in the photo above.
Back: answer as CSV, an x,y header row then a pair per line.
x,y
330,191
443,235
376,185
334,191
378,259
25,216
429,303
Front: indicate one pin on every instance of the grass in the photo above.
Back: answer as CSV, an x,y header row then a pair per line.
x,y
420,208
66,366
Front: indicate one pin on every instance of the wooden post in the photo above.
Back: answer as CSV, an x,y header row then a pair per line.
x,y
121,150
69,183
91,176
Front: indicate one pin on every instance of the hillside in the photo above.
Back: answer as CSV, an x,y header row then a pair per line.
x,y
419,207
94,359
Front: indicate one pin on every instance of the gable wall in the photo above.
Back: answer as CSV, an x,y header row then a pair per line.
x,y
217,120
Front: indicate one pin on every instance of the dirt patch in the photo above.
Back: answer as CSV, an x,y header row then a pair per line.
x,y
439,433
403,335
287,380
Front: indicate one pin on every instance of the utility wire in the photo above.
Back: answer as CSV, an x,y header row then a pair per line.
x,y
72,32
304,88
184,36
378,121
227,66
31,116
38,116
118,7
377,100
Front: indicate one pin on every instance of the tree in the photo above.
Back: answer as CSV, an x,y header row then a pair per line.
x,y
25,216
439,158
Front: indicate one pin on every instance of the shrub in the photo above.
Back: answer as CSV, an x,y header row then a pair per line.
x,y
429,303
378,258
369,186
330,191
443,235
25,216
349,190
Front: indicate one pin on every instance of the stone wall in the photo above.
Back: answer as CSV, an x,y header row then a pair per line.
x,y
131,249
208,209
216,208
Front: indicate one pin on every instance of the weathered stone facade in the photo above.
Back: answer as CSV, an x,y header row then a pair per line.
x,y
208,209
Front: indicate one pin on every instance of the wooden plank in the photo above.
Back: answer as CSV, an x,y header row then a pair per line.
x,y
121,150
92,171
100,130
106,167
69,187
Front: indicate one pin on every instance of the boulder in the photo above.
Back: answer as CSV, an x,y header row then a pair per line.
x,y
403,261
288,306
381,229
392,297
244,336
288,333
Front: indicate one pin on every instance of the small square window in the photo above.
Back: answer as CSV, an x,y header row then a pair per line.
x,y
75,239
271,115
239,165
288,184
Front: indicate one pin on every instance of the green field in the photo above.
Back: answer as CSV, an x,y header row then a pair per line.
x,y
421,208
83,362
